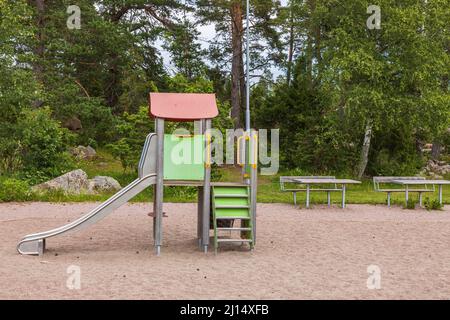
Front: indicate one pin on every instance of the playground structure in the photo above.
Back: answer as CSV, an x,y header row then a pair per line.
x,y
220,204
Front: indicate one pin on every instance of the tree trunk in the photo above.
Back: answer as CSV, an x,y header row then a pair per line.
x,y
365,149
236,63
436,150
112,90
242,88
39,48
310,41
291,46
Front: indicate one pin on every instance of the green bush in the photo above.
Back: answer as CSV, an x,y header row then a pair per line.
x,y
14,190
43,143
133,129
432,204
387,163
411,204
34,146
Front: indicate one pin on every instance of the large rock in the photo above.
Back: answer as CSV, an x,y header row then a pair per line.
x,y
103,184
84,153
436,168
73,124
72,182
76,182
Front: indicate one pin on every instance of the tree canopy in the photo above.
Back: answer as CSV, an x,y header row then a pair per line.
x,y
347,98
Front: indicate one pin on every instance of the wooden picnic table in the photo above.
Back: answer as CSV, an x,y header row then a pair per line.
x,y
308,182
407,183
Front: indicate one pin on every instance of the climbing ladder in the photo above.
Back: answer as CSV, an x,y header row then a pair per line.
x,y
231,203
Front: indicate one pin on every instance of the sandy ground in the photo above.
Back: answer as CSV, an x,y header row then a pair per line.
x,y
318,253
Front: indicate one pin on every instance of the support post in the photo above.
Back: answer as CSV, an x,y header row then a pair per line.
x,y
198,129
389,199
329,198
159,186
253,180
206,192
307,196
440,194
406,194
199,215
295,197
343,196
420,199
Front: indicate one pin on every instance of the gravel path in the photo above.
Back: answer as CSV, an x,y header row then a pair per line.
x,y
320,253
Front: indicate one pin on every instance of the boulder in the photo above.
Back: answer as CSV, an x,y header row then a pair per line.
x,y
72,182
76,182
73,124
84,153
435,176
435,168
103,184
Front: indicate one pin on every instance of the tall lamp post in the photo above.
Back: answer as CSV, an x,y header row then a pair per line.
x,y
247,58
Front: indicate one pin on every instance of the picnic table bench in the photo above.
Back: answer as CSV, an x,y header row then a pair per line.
x,y
407,185
309,181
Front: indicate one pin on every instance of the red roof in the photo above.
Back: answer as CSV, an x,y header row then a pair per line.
x,y
183,106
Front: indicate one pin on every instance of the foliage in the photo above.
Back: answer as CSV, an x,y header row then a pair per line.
x,y
43,142
35,144
410,204
132,129
345,76
432,204
14,190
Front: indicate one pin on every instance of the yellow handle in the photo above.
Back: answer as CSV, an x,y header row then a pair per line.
x,y
183,135
239,150
255,152
208,151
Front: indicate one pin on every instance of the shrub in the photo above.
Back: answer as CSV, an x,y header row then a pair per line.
x,y
411,204
432,204
133,128
10,155
34,145
43,142
14,190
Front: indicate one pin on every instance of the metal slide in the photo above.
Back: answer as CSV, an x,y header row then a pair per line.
x,y
34,244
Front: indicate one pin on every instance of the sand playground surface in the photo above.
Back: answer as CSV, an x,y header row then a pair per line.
x,y
319,253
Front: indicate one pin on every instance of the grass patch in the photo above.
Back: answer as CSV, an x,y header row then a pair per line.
x,y
268,188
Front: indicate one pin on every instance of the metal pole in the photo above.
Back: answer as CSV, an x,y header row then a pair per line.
x,y
247,109
206,193
343,196
159,186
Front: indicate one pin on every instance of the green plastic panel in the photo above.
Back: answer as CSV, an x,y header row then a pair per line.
x,y
231,201
236,213
230,190
184,157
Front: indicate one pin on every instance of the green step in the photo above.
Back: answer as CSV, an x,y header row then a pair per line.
x,y
235,229
231,196
234,240
237,213
232,217
232,206
230,202
230,190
